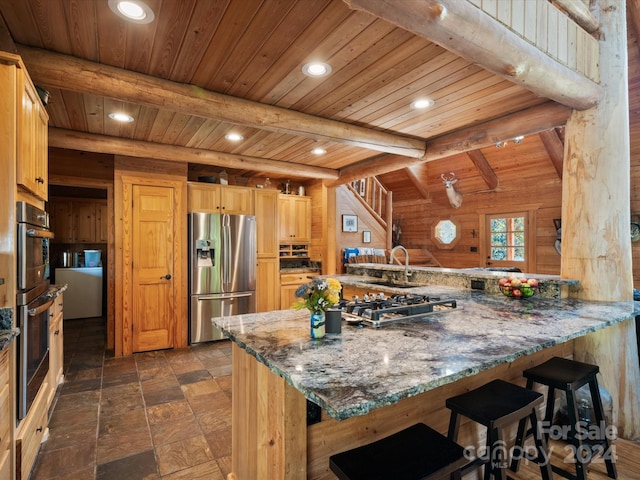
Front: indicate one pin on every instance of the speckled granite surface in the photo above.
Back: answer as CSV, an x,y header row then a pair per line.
x,y
7,332
363,368
550,285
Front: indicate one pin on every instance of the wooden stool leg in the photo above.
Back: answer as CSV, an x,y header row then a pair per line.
x,y
598,410
520,436
544,456
572,411
548,416
454,425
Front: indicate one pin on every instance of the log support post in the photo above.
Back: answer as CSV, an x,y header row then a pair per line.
x,y
596,241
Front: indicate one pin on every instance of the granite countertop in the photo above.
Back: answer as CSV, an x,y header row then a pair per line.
x,y
364,368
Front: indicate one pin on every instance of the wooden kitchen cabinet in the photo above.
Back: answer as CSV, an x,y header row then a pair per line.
x,y
6,411
289,283
267,283
56,346
79,220
84,218
294,218
30,432
214,198
266,222
102,222
32,147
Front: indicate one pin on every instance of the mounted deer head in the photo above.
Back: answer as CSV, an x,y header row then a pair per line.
x,y
455,197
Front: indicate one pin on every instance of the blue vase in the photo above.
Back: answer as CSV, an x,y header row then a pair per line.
x,y
317,325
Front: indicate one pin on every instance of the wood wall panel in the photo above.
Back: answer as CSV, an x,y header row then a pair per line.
x,y
525,176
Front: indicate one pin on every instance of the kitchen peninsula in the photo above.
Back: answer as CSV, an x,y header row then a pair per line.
x,y
372,382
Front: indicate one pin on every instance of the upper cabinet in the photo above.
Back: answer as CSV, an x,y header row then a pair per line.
x,y
267,222
214,198
78,220
32,146
295,219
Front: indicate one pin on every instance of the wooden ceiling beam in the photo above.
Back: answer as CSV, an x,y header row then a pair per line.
x,y
417,183
90,142
485,170
467,31
70,73
554,147
577,11
525,122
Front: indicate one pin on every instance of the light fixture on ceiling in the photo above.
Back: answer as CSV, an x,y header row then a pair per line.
x,y
234,137
316,69
318,151
517,140
134,11
121,117
422,103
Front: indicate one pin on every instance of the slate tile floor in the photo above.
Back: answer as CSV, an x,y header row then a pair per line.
x,y
158,415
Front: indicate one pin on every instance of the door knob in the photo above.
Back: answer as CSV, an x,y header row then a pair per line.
x,y
166,277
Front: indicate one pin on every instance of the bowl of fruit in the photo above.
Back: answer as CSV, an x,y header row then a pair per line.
x,y
518,287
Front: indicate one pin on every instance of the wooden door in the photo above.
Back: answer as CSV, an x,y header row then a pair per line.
x,y
267,223
152,276
507,240
302,219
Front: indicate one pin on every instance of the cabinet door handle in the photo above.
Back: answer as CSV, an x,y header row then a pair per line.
x,y
166,277
56,332
39,180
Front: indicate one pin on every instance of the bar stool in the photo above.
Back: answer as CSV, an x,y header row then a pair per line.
x,y
568,376
415,453
497,405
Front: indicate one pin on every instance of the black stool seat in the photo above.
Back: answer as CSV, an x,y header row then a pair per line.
x,y
417,452
496,405
568,376
562,373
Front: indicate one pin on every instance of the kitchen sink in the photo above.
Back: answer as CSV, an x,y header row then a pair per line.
x,y
391,284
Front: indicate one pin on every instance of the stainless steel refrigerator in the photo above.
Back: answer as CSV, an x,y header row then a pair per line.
x,y
222,271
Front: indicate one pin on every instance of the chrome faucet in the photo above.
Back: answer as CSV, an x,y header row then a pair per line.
x,y
407,273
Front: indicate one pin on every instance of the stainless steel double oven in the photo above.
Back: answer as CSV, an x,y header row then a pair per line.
x,y
33,301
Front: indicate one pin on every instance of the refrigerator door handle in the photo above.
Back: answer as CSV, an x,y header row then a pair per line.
x,y
224,296
226,250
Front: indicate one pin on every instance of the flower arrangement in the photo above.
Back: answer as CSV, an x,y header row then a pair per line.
x,y
318,295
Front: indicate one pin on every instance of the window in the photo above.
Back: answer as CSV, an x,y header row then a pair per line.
x,y
445,233
507,240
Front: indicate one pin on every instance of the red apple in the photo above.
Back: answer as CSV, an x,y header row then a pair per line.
x,y
515,282
516,292
504,281
533,282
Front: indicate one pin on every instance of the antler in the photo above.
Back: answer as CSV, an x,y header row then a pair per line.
x,y
448,181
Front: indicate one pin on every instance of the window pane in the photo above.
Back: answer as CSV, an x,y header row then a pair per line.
x,y
518,254
498,253
499,225
499,239
518,224
518,239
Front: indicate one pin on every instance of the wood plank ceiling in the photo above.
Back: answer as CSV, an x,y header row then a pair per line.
x,y
251,50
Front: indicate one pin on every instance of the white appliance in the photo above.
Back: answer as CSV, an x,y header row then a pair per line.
x,y
83,297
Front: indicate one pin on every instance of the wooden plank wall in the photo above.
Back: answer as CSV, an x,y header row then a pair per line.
x,y
525,176
543,25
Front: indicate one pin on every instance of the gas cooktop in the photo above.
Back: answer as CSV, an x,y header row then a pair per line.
x,y
378,310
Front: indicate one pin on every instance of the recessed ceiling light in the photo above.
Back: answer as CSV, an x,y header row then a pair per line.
x,y
133,11
318,151
316,69
121,117
422,103
234,137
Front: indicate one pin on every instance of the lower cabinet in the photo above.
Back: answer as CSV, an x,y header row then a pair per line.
x,y
56,349
289,283
30,432
267,284
6,412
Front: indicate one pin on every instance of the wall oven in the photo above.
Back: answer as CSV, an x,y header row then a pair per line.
x,y
33,301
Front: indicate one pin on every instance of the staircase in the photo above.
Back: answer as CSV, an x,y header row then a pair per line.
x,y
375,198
